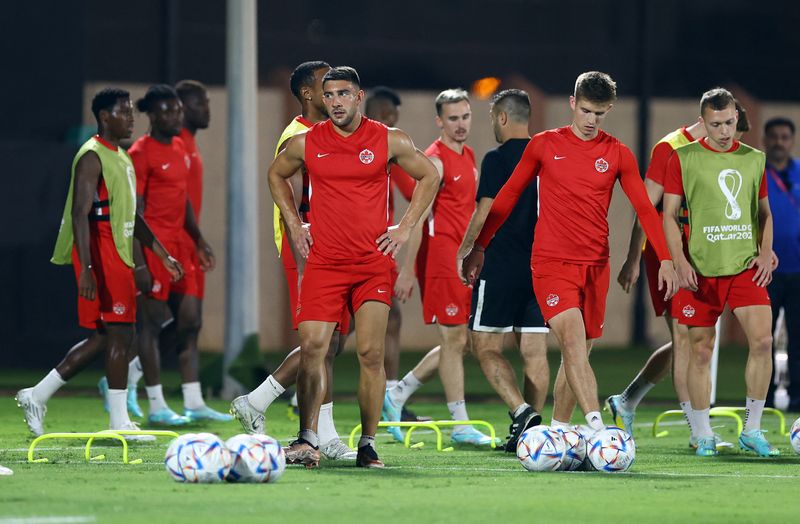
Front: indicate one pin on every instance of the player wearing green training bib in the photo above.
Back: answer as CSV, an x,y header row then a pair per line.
x,y
96,237
729,260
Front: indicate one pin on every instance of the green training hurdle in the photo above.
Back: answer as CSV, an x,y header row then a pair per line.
x,y
153,432
448,423
100,435
677,413
385,424
767,411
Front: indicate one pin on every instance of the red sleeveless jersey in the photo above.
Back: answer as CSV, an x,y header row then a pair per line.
x,y
349,191
162,173
452,209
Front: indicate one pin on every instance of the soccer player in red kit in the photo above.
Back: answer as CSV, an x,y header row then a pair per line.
x,y
347,159
577,166
96,236
306,85
432,250
162,176
196,116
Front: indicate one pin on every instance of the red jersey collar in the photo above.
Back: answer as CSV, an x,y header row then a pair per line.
x,y
303,120
106,143
567,130
703,142
687,134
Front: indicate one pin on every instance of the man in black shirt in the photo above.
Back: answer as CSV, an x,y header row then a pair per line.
x,y
502,299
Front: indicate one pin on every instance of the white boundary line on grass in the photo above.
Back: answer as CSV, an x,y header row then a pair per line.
x,y
78,519
631,473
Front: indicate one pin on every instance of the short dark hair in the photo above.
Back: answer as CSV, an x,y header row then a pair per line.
x,y
155,93
378,94
595,86
384,93
187,88
105,99
345,73
743,123
779,121
450,96
717,99
514,102
303,75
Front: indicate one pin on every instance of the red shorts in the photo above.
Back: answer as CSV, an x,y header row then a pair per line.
x,y
560,286
163,285
703,307
292,276
651,267
331,293
115,300
188,246
445,301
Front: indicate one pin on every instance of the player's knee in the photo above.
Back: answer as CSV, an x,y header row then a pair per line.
x,y
370,355
314,346
762,345
702,352
486,353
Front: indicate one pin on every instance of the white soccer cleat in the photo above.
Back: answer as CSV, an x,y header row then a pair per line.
x,y
251,419
335,449
5,472
133,426
34,411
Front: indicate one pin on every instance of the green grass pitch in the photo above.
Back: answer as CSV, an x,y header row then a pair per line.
x,y
667,483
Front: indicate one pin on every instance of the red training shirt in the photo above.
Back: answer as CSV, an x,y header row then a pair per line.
x,y
452,210
576,180
162,173
349,191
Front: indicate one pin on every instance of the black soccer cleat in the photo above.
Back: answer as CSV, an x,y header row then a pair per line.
x,y
406,415
527,419
368,458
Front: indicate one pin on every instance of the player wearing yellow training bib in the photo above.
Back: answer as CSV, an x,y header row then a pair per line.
x,y
729,260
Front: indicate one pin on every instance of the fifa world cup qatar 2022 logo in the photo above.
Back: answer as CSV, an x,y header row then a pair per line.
x,y
730,183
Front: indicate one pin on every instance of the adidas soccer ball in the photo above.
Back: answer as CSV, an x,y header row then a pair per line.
x,y
794,436
611,450
574,449
255,458
540,448
198,457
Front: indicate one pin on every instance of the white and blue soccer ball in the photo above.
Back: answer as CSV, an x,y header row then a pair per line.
x,y
574,449
255,458
198,458
794,436
611,449
540,448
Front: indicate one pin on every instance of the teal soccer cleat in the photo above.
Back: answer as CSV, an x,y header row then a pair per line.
x,y
706,447
206,414
470,435
392,413
754,441
621,416
166,417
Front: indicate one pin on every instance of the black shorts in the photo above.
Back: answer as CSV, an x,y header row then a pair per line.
x,y
502,303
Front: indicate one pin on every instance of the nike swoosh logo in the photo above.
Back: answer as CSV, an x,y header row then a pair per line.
x,y
381,291
455,178
556,157
165,166
320,155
